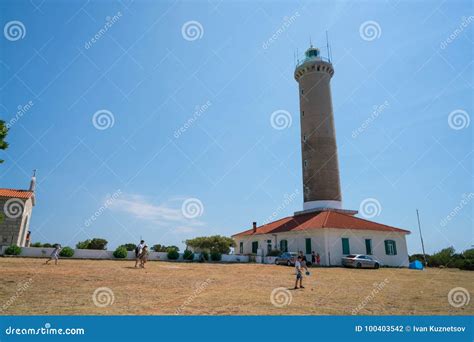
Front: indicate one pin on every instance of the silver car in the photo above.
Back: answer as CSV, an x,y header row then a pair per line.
x,y
360,261
287,258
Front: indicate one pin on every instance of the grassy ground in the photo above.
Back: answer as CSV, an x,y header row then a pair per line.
x,y
28,287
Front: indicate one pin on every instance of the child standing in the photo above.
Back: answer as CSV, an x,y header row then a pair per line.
x,y
318,259
299,272
144,256
55,255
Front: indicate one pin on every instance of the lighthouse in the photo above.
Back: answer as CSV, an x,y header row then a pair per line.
x,y
321,184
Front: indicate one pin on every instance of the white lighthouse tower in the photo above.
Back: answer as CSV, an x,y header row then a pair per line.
x,y
321,185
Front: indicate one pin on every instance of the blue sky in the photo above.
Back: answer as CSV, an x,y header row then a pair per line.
x,y
185,114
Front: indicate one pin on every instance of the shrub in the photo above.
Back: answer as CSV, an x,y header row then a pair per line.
x,y
274,252
36,244
67,252
13,250
163,248
47,245
120,252
173,254
83,244
216,256
188,255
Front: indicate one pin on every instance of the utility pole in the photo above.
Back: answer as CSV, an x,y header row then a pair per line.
x,y
421,237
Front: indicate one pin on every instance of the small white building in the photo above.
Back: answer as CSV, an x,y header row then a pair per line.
x,y
331,233
16,207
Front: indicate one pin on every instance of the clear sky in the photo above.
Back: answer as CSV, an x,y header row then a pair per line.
x,y
184,93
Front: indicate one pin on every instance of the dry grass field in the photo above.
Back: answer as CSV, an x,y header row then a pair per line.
x,y
28,287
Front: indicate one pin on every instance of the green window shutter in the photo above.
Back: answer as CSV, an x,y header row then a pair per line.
x,y
308,246
394,248
387,250
241,247
368,246
345,246
283,246
254,247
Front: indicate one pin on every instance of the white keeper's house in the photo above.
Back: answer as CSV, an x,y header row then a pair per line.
x,y
323,226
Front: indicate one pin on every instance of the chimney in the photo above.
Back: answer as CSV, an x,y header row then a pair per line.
x,y
254,227
33,181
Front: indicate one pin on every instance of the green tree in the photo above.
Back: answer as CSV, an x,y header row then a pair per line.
x,y
215,243
128,246
98,243
83,244
163,248
444,257
3,135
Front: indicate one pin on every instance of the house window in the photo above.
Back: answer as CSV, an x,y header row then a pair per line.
x,y
254,247
308,246
302,91
368,246
241,247
390,247
269,246
345,246
305,163
302,113
304,137
283,246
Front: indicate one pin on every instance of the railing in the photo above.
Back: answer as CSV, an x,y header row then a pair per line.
x,y
305,59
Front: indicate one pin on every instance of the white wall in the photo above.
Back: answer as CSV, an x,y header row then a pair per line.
x,y
40,252
357,245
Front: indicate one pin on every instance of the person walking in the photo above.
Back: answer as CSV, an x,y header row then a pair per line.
x,y
54,255
138,251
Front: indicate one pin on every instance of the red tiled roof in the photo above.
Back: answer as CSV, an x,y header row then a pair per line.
x,y
318,220
14,193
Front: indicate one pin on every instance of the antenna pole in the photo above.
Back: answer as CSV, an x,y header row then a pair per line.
x,y
327,44
421,236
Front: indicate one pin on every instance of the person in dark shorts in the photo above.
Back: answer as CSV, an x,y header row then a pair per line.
x,y
299,272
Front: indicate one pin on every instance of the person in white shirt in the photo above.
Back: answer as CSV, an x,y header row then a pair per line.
x,y
138,252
